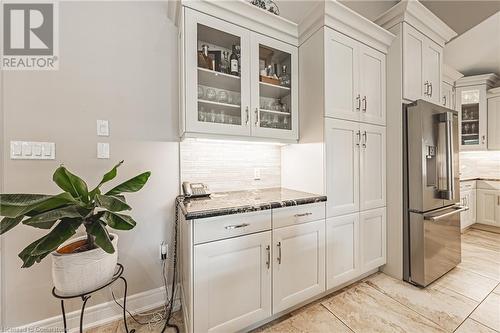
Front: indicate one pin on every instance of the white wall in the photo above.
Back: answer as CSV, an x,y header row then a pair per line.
x,y
118,61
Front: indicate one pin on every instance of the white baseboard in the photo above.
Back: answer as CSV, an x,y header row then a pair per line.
x,y
101,314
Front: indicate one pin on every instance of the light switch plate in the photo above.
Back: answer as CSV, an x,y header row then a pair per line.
x,y
102,150
102,127
32,150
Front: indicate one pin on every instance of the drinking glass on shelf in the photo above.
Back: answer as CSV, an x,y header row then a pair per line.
x,y
222,96
210,94
212,115
201,92
285,122
466,129
201,114
222,118
237,98
473,128
275,121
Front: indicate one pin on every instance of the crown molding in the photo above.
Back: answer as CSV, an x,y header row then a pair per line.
x,y
450,75
333,14
487,79
417,15
495,92
241,13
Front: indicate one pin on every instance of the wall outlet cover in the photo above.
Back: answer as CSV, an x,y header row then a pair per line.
x,y
102,150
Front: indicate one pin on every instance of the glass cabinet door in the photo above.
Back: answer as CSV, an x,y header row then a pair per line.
x,y
274,73
470,117
217,95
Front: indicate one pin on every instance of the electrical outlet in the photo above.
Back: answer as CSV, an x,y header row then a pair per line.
x,y
256,173
163,250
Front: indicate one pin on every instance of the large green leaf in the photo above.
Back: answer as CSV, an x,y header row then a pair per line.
x,y
71,183
14,205
102,239
131,185
47,219
8,223
112,203
119,221
111,174
27,258
62,232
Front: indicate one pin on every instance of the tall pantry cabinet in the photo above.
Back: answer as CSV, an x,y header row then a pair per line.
x,y
414,71
342,75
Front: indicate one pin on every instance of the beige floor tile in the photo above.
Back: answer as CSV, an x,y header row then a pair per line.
x,y
443,306
467,283
365,309
481,239
472,326
488,312
497,289
283,326
318,319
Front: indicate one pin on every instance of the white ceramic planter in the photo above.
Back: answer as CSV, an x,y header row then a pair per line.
x,y
77,273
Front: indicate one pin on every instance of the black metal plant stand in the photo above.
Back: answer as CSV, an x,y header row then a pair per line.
x,y
85,297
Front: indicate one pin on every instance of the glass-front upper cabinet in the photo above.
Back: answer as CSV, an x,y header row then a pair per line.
x,y
274,73
237,82
472,112
217,89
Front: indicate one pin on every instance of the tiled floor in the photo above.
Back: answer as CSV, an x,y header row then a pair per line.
x,y
466,300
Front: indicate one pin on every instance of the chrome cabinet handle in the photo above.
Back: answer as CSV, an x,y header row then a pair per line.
x,y
364,104
365,139
268,261
256,116
483,139
236,226
430,86
444,100
303,214
248,115
426,86
358,136
279,252
358,102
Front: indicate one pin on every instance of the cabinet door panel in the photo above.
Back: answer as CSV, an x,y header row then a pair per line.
x,y
342,249
494,123
372,167
342,167
432,70
299,264
265,122
413,49
487,201
372,85
227,270
341,76
372,225
208,109
447,96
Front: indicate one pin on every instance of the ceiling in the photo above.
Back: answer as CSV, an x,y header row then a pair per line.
x,y
476,50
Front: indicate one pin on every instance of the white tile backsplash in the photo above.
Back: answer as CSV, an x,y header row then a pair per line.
x,y
484,164
228,165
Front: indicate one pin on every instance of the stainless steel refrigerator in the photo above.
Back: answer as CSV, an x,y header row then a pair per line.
x,y
431,226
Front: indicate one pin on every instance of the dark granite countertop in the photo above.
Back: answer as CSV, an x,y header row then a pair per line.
x,y
480,178
226,203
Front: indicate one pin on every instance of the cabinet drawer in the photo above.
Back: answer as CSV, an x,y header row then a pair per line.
x,y
220,227
464,186
298,214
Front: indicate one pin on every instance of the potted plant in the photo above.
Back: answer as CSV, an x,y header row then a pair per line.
x,y
62,214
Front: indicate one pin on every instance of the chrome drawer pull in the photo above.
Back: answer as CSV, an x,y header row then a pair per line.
x,y
268,262
303,214
236,226
279,252
457,210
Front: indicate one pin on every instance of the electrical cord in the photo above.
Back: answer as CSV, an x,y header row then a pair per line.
x,y
178,201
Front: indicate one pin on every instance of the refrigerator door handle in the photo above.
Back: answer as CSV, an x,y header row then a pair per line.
x,y
457,209
449,193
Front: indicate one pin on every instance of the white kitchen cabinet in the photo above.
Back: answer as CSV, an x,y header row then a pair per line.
x,y
342,249
467,199
488,207
471,101
450,77
354,80
447,99
299,263
220,103
372,166
422,66
355,163
494,119
372,228
228,270
342,145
